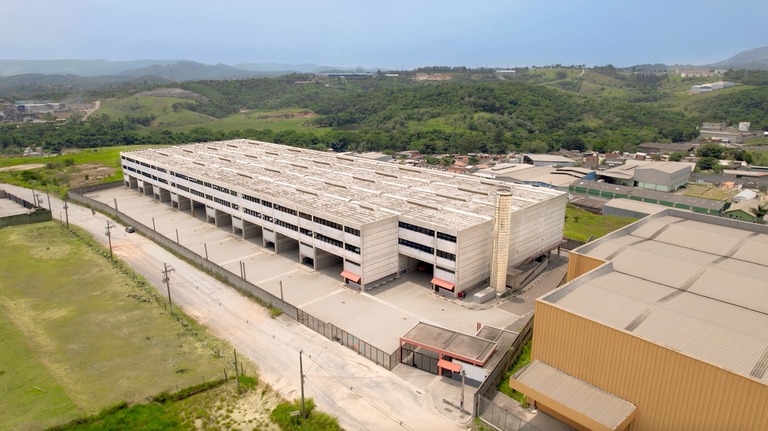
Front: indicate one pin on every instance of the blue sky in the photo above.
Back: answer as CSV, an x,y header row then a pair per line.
x,y
388,34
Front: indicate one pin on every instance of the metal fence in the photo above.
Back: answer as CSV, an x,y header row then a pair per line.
x,y
413,357
380,357
500,417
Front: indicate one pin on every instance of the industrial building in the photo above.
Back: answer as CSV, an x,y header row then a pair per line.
x,y
546,160
539,176
659,176
613,191
662,325
374,220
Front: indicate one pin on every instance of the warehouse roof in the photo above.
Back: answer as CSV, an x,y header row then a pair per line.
x,y
650,194
548,158
353,189
691,282
608,411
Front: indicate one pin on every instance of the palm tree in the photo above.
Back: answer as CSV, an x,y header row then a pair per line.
x,y
759,211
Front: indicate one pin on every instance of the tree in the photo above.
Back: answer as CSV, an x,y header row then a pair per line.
x,y
711,150
675,157
708,164
760,211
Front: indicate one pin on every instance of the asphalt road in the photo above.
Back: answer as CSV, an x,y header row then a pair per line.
x,y
361,394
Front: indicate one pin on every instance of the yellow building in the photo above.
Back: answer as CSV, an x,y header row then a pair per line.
x,y
662,326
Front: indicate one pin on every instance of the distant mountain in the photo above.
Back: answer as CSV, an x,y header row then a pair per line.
x,y
74,67
281,67
755,59
191,71
276,68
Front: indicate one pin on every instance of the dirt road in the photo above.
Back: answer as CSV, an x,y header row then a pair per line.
x,y
363,395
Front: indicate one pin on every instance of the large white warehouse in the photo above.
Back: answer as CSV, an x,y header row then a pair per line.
x,y
378,220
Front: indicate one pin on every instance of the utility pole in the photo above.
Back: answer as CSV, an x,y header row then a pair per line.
x,y
66,213
166,269
301,371
49,200
108,233
281,293
461,403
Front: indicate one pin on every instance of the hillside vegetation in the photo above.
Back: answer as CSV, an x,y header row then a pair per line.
x,y
539,110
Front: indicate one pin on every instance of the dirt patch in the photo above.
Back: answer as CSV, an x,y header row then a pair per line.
x,y
22,167
286,115
89,173
172,92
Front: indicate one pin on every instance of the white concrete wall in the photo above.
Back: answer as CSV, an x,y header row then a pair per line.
x,y
535,228
379,249
473,255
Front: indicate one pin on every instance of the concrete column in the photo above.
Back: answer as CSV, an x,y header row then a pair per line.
x,y
500,251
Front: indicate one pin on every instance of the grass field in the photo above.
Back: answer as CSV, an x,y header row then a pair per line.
x,y
582,225
274,120
76,168
160,107
709,192
77,334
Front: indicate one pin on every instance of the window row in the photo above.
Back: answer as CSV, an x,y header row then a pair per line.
x,y
353,231
446,237
417,246
332,241
446,255
419,229
285,209
290,226
328,223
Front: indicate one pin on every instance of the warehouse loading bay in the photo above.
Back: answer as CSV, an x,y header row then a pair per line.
x,y
379,316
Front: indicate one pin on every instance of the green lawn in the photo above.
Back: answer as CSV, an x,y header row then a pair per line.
x,y
709,192
582,225
78,334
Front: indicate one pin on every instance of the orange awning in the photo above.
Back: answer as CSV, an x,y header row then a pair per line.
x,y
351,276
448,365
442,283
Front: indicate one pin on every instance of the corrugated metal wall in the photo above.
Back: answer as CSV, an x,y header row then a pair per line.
x,y
671,391
580,264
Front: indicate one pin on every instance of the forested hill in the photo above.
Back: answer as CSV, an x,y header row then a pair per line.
x,y
461,116
538,111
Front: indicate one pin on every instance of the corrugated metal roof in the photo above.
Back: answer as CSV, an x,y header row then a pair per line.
x,y
580,396
696,284
650,194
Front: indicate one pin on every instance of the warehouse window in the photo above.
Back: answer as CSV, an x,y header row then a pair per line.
x,y
416,245
324,238
328,223
353,231
352,248
419,229
251,198
446,237
446,255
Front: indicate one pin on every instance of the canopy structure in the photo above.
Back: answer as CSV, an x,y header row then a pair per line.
x,y
577,400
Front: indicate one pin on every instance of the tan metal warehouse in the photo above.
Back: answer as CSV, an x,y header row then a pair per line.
x,y
378,220
668,315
